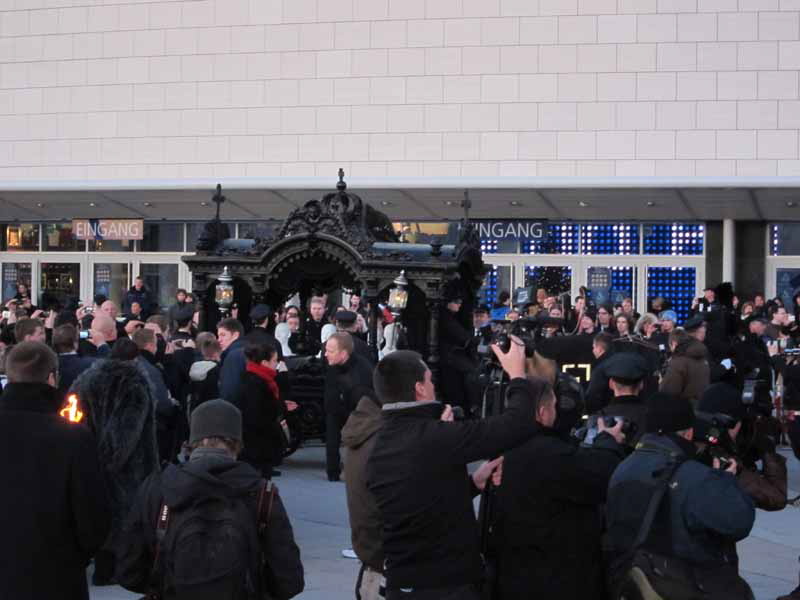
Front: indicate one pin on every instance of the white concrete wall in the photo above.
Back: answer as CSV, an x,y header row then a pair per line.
x,y
98,89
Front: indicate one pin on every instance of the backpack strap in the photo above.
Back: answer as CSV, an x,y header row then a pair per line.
x,y
161,531
266,496
664,479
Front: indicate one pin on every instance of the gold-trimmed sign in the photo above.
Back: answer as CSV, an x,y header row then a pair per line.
x,y
107,229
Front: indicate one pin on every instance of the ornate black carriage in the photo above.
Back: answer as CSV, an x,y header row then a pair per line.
x,y
340,242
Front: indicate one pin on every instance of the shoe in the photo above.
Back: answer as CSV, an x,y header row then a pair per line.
x,y
275,473
349,553
333,477
793,595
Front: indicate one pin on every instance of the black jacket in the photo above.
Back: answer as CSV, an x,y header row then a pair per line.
x,y
211,473
417,472
204,375
598,394
630,408
345,384
54,512
259,335
260,409
547,534
70,366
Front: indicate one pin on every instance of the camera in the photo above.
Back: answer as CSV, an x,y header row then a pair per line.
x,y
756,396
85,335
525,329
712,430
629,428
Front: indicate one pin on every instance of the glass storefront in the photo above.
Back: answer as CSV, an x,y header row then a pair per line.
x,y
60,285
13,275
111,280
162,280
21,237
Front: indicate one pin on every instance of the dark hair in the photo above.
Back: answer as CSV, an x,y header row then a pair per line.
x,y
606,340
679,336
180,291
160,320
256,352
502,298
30,362
66,317
396,376
232,325
65,338
125,349
25,327
546,393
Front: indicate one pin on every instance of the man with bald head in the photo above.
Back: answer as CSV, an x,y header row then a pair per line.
x,y
112,310
102,335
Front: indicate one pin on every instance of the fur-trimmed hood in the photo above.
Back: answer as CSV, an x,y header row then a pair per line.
x,y
121,412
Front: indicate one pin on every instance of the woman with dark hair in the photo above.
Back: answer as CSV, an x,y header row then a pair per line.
x,y
259,400
624,325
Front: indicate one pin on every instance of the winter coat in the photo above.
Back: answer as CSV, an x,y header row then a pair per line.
x,y
158,389
232,365
706,511
263,440
688,373
120,410
345,385
143,296
209,473
417,472
768,487
205,381
630,408
547,532
366,525
259,335
70,366
53,510
598,394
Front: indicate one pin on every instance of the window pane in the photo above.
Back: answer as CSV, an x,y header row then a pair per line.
x,y
611,284
21,237
110,245
561,238
609,238
60,285
162,281
58,237
787,283
111,280
784,239
498,279
13,275
162,237
253,230
554,280
674,239
193,231
675,284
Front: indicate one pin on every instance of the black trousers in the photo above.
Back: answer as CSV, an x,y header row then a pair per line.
x,y
458,592
333,440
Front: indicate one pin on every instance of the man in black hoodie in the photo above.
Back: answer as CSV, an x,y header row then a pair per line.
x,y
211,473
418,474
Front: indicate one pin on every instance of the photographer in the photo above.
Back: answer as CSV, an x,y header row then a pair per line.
x,y
766,487
418,474
599,393
548,523
673,522
626,372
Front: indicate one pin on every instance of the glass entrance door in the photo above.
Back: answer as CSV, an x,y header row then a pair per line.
x,y
611,285
162,281
111,280
60,284
554,280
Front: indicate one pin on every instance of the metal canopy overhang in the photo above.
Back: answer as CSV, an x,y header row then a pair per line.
x,y
414,198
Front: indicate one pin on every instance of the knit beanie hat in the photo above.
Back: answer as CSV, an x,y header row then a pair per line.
x,y
722,398
215,418
668,414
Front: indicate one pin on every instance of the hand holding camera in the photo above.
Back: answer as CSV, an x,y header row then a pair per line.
x,y
613,428
513,361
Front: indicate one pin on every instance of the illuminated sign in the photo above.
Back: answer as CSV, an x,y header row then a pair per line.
x,y
520,230
107,229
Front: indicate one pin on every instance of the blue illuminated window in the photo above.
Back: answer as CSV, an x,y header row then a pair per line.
x,y
609,238
561,238
674,239
488,293
555,280
784,239
623,282
676,284
489,246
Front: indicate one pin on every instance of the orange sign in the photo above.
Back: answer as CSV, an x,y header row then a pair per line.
x,y
70,412
107,229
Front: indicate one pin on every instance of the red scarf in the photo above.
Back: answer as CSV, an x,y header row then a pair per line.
x,y
267,374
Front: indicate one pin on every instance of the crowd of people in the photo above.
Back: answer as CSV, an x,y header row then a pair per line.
x,y
148,447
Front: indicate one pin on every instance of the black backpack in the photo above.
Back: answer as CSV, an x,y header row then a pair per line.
x,y
210,549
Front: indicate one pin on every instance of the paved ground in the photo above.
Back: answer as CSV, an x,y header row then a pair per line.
x,y
319,515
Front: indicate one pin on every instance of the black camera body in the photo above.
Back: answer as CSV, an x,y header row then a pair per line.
x,y
629,428
712,430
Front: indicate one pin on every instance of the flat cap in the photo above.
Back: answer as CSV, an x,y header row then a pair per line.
x,y
696,322
627,366
260,312
346,317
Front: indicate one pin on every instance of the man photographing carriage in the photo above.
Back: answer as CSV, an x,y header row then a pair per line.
x,y
419,467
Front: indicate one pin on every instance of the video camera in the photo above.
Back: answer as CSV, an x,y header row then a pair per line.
x,y
712,430
756,396
528,330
